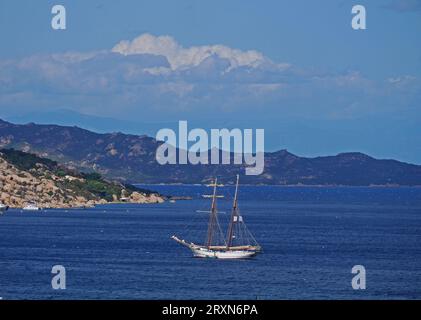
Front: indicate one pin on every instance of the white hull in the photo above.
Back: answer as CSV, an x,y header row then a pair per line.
x,y
31,208
204,252
3,209
228,254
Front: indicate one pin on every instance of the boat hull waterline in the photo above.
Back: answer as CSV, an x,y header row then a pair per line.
x,y
229,254
220,253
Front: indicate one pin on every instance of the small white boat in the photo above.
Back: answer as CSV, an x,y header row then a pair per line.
x,y
31,207
239,244
3,208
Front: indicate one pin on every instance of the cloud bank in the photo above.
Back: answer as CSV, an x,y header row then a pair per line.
x,y
179,57
155,78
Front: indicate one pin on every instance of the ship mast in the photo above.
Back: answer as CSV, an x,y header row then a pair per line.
x,y
212,217
234,215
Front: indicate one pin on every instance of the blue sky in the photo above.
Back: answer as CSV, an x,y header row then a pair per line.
x,y
316,85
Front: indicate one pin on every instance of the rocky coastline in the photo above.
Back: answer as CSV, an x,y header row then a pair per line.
x,y
48,185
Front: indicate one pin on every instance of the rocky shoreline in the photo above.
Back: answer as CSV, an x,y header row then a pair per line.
x,y
50,186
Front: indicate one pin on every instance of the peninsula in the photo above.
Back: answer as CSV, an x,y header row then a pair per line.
x,y
26,178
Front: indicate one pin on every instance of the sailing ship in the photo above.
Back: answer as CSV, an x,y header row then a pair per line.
x,y
239,243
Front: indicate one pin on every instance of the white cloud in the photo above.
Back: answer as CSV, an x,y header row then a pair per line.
x,y
155,76
74,57
180,57
401,79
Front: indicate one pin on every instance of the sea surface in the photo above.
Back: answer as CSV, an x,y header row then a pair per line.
x,y
312,237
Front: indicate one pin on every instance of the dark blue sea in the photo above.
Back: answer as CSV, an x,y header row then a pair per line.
x,y
312,237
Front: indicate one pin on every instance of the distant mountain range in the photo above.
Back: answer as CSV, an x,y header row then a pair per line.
x,y
131,158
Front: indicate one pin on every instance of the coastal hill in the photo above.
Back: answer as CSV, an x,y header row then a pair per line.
x,y
26,178
131,158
